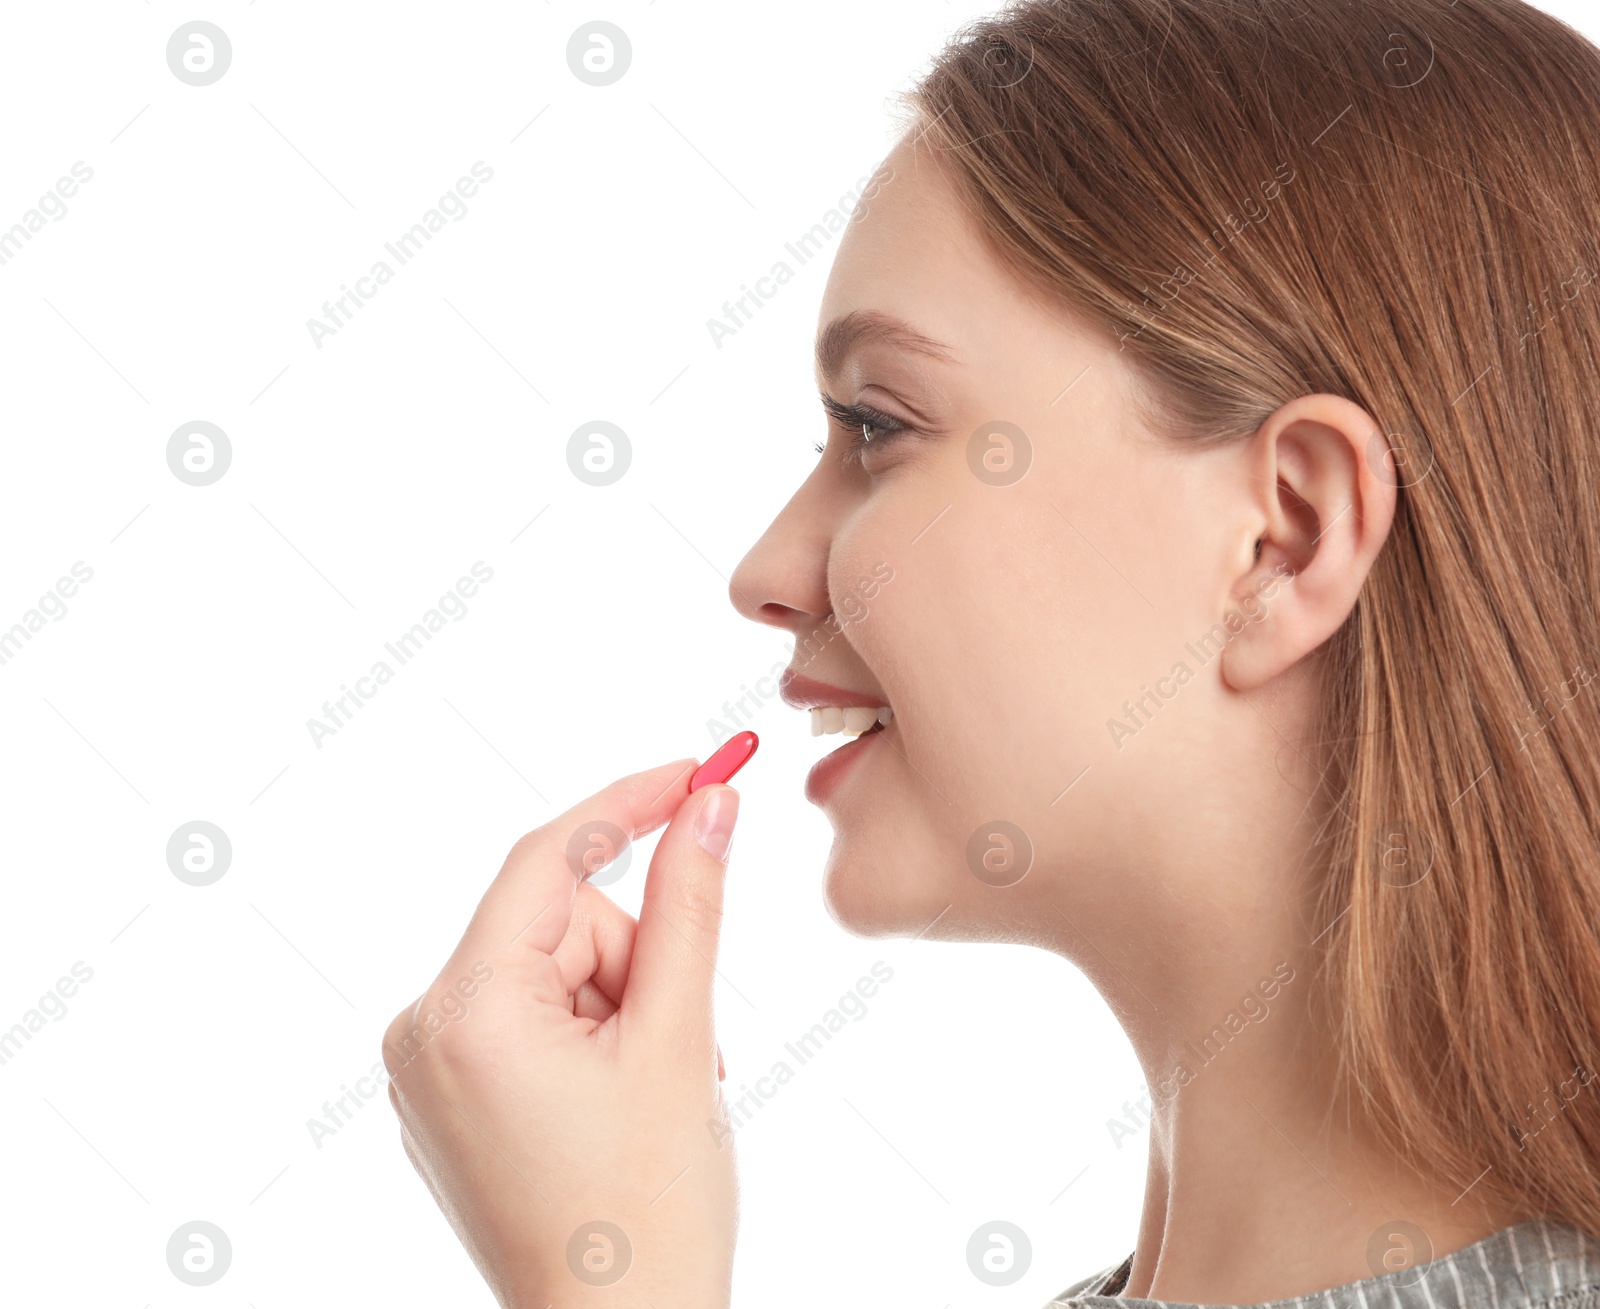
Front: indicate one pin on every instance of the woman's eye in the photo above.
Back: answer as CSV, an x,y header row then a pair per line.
x,y
868,428
871,432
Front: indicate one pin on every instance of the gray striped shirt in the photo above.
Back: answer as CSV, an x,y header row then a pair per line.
x,y
1537,1264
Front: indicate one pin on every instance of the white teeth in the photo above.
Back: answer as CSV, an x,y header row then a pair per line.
x,y
852,721
858,718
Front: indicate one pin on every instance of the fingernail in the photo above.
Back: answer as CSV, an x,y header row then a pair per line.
x,y
713,825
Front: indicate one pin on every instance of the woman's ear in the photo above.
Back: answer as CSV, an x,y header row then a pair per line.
x,y
1322,493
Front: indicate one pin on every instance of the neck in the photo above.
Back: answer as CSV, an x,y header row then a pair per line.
x,y
1261,1187
1262,1183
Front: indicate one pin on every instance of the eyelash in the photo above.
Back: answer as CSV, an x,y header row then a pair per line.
x,y
851,418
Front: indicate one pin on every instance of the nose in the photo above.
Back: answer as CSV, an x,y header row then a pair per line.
x,y
783,580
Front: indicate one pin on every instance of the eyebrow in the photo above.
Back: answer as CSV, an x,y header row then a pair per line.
x,y
841,337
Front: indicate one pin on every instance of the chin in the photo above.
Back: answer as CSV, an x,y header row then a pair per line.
x,y
876,888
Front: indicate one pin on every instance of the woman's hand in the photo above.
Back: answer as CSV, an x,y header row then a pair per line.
x,y
557,1085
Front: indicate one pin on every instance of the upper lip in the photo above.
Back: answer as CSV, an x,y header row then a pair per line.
x,y
801,692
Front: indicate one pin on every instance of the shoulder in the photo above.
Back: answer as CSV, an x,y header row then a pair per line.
x,y
1537,1264
1542,1264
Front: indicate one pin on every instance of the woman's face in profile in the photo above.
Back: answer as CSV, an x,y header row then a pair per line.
x,y
1010,573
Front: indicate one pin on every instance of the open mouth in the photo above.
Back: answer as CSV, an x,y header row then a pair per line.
x,y
835,711
857,723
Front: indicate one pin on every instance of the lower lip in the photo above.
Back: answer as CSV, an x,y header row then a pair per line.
x,y
829,771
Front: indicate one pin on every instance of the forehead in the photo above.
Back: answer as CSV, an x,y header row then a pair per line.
x,y
918,302
912,276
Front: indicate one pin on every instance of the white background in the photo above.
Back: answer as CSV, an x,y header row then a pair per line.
x,y
367,475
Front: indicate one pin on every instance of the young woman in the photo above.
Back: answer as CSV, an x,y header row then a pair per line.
x,y
1209,498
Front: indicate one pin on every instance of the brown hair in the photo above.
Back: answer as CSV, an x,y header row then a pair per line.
x,y
1391,201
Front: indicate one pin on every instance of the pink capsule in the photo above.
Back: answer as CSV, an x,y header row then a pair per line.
x,y
731,756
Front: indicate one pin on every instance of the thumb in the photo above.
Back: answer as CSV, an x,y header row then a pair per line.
x,y
674,962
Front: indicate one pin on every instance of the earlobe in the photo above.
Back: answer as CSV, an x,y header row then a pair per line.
x,y
1319,511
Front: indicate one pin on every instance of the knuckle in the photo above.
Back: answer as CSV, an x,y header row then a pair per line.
x,y
530,844
696,909
438,1035
414,1033
394,1038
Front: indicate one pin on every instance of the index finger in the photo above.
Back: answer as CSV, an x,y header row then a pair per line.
x,y
530,900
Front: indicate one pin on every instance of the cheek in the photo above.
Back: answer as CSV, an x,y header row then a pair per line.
x,y
1006,642
1009,625
1014,635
